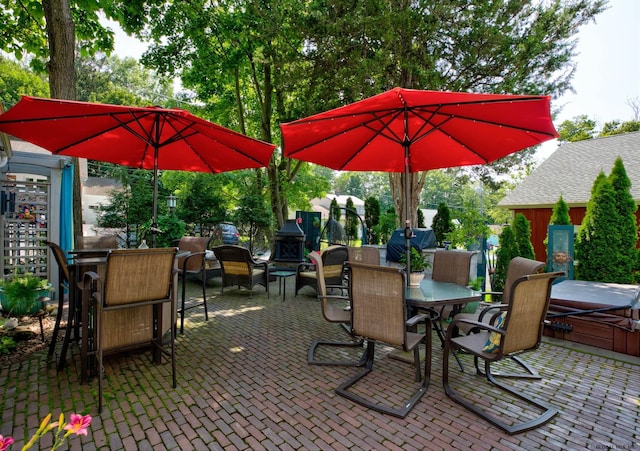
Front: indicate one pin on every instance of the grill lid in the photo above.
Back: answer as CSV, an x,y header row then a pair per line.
x,y
291,228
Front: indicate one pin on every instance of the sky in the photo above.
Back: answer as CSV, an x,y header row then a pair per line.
x,y
606,78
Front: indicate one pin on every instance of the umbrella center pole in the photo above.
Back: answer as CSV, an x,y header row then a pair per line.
x,y
408,233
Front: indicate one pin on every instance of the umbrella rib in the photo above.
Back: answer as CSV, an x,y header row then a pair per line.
x,y
374,116
376,132
484,121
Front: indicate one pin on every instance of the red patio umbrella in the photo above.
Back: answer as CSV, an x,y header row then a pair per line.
x,y
406,130
141,137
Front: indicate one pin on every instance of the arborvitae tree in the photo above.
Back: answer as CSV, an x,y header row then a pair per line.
x,y
334,209
625,224
372,218
421,224
598,243
560,214
351,222
442,224
522,236
507,250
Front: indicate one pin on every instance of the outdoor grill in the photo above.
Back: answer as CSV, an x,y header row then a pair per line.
x,y
290,243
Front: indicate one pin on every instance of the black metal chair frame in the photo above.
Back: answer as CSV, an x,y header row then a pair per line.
x,y
332,314
358,270
472,342
185,272
93,283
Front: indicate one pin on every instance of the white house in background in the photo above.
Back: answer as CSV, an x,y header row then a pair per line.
x,y
95,192
322,204
428,217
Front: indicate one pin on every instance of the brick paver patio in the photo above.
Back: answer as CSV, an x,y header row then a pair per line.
x,y
243,383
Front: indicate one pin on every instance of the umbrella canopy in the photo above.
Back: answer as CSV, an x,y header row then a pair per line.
x,y
406,130
140,137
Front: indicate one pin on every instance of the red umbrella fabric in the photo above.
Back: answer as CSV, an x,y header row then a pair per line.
x,y
141,137
439,130
407,130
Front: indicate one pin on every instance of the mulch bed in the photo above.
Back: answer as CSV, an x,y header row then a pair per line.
x,y
27,347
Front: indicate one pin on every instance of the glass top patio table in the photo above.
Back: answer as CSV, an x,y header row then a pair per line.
x,y
431,294
434,293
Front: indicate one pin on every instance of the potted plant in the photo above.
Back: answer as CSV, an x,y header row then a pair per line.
x,y
19,295
419,263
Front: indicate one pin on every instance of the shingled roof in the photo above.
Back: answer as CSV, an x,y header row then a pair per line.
x,y
571,170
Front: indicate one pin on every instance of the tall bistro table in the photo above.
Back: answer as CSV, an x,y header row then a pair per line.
x,y
96,259
433,293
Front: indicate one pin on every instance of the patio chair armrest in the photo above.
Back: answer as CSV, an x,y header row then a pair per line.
x,y
417,319
336,297
88,279
304,267
486,310
188,257
263,265
475,325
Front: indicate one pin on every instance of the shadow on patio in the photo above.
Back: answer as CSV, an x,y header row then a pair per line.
x,y
244,383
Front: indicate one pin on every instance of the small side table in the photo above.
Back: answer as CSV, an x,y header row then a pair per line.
x,y
281,275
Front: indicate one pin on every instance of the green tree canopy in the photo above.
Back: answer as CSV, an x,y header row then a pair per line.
x,y
16,81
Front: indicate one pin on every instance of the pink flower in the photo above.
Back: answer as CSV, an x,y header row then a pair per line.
x,y
5,442
78,424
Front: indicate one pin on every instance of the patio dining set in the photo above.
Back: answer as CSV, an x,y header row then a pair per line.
x,y
128,298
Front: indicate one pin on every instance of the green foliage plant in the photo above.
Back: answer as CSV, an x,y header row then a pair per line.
x,y
598,245
606,244
253,215
334,209
522,235
7,345
351,221
442,224
559,216
625,223
507,250
420,216
172,230
419,261
387,225
21,291
372,218
560,213
471,229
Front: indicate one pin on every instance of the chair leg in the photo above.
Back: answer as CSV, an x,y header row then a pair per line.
x,y
402,412
529,373
204,293
100,367
437,325
56,327
184,294
351,344
547,412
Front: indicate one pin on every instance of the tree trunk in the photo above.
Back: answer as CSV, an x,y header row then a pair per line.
x,y
62,78
416,182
